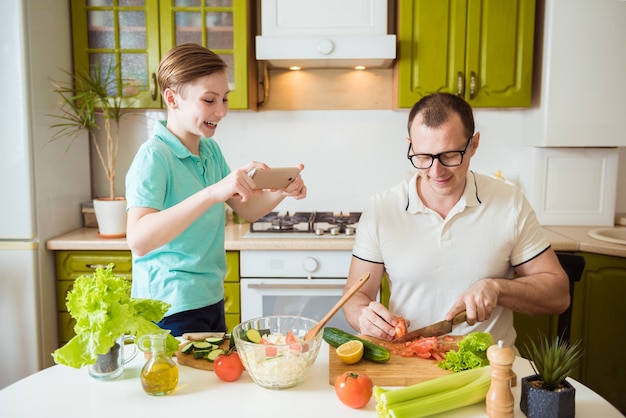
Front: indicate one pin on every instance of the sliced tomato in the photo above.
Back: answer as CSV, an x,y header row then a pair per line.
x,y
423,347
270,351
400,327
290,338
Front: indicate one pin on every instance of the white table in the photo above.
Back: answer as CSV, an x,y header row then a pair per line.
x,y
61,391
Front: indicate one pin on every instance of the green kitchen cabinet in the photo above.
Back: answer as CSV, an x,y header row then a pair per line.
x,y
73,264
598,318
232,304
481,50
598,315
136,34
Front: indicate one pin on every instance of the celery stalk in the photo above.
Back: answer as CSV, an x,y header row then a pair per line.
x,y
468,394
431,387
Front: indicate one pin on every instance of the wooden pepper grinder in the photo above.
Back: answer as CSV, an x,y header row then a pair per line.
x,y
499,397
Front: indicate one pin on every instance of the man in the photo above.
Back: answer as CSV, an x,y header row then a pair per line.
x,y
451,240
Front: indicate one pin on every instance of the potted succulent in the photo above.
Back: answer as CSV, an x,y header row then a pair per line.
x,y
105,313
85,100
547,393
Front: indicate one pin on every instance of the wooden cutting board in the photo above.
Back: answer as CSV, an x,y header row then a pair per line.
x,y
188,360
398,371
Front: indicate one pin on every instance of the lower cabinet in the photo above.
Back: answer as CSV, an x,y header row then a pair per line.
x,y
598,318
73,264
232,305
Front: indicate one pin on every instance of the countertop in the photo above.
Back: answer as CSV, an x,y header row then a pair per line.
x,y
562,238
61,391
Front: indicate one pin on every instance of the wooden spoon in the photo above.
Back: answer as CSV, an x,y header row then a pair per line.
x,y
353,289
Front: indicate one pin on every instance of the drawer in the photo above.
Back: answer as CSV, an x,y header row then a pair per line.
x,y
231,298
72,264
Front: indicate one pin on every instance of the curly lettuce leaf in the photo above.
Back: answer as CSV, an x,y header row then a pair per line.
x,y
472,353
103,310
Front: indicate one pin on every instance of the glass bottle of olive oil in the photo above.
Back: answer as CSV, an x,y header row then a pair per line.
x,y
159,376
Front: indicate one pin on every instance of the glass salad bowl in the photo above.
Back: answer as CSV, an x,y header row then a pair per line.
x,y
273,351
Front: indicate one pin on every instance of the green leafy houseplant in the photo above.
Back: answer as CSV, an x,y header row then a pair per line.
x,y
553,360
547,394
103,309
85,97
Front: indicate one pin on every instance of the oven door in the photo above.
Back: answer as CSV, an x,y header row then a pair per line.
x,y
311,298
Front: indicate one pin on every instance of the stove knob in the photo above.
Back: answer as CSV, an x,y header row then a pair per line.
x,y
310,265
350,230
319,231
334,231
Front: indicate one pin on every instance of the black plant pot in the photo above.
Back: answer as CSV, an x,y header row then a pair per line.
x,y
541,403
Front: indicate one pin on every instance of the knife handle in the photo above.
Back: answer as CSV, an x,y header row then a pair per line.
x,y
459,318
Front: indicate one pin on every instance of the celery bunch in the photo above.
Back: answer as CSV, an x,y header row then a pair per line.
x,y
434,396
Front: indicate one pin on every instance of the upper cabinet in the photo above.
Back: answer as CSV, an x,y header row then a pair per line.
x,y
479,49
583,76
136,33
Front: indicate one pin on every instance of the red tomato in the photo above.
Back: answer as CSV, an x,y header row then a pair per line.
x,y
354,389
290,338
400,327
228,366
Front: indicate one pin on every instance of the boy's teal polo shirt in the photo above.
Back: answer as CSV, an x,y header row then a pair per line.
x,y
187,272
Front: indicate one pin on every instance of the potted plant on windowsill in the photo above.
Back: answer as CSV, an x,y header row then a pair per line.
x,y
85,100
547,393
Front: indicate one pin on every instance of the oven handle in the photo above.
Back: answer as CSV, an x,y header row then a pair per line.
x,y
294,286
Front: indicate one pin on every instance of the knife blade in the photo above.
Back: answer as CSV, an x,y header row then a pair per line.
x,y
434,330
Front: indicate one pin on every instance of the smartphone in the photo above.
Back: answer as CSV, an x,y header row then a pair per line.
x,y
275,178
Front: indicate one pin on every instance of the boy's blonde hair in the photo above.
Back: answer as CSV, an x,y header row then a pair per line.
x,y
185,63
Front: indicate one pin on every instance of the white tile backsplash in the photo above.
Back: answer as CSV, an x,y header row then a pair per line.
x,y
351,154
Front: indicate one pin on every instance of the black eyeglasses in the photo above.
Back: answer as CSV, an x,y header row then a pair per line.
x,y
448,158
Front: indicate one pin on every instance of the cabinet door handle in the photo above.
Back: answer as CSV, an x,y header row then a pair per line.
x,y
153,87
459,84
95,266
472,84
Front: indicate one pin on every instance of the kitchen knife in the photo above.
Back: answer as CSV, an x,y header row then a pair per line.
x,y
434,330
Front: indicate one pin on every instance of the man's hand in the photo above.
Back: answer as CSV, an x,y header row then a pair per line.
x,y
377,321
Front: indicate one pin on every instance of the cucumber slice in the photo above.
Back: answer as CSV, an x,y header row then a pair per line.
x,y
198,354
187,349
214,353
253,335
214,340
201,345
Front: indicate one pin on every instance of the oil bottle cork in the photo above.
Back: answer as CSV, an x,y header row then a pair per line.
x,y
499,397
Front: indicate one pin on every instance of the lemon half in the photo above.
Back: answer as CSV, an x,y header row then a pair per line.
x,y
350,352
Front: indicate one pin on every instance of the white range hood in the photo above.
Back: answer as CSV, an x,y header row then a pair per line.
x,y
325,34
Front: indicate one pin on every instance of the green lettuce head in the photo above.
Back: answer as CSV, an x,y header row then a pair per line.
x,y
103,310
471,355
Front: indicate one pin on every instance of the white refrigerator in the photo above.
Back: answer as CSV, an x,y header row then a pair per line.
x,y
42,183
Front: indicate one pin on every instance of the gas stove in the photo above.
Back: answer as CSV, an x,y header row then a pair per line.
x,y
305,224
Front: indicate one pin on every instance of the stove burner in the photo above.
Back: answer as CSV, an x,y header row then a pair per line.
x,y
308,222
287,222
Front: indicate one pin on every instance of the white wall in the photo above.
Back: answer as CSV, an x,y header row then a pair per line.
x,y
348,155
